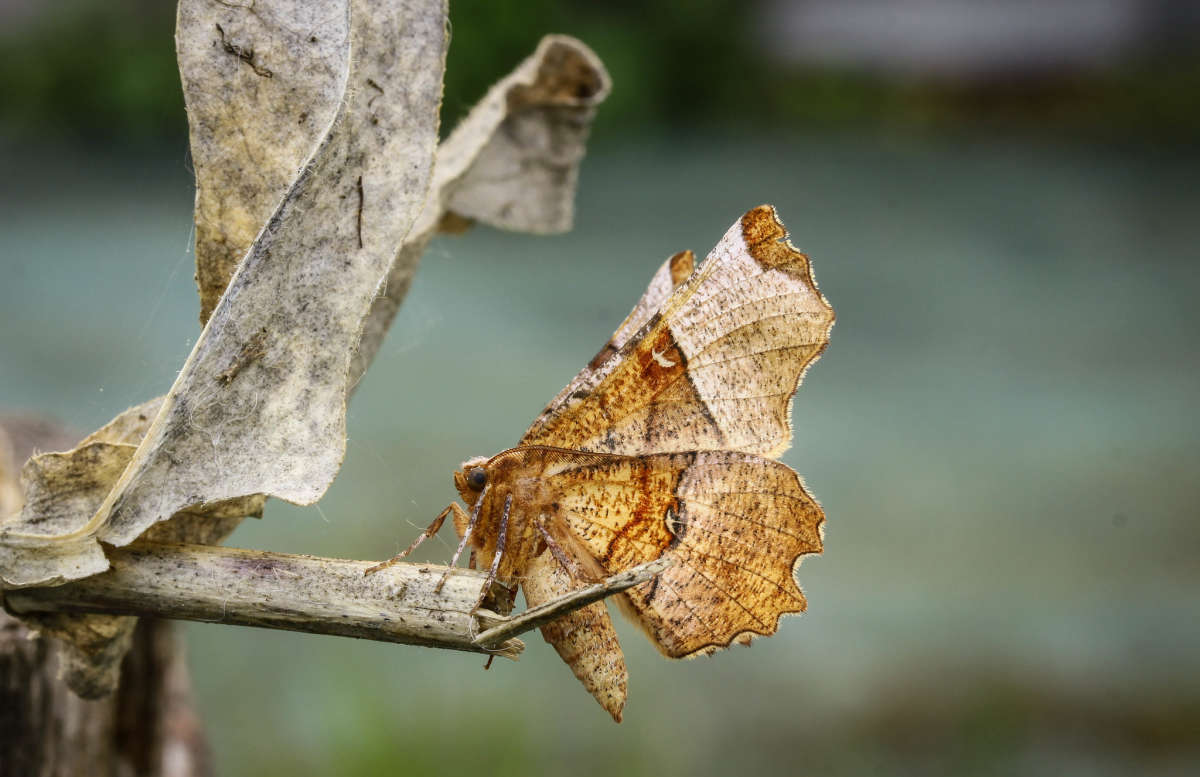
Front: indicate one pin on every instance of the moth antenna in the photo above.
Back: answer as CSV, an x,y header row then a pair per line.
x,y
471,524
501,540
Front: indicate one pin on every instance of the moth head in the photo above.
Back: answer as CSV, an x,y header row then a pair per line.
x,y
471,479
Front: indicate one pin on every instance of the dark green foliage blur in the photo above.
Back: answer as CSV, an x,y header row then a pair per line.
x,y
88,70
106,72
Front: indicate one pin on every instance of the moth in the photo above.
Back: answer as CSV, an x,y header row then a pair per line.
x,y
665,444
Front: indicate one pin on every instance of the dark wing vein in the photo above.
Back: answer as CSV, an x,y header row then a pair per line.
x,y
775,583
691,610
717,587
743,516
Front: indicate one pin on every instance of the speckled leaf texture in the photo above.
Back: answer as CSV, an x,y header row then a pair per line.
x,y
512,163
317,193
262,81
259,406
58,493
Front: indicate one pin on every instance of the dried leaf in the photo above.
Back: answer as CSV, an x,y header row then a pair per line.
x,y
512,163
58,493
61,490
259,406
91,646
261,81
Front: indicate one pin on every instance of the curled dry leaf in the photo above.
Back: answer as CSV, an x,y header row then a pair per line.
x,y
512,163
259,406
261,83
60,491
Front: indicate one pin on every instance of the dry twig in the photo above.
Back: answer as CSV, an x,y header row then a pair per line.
x,y
305,593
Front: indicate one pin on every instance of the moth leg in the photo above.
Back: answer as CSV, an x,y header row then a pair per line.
x,y
429,531
501,541
471,524
568,561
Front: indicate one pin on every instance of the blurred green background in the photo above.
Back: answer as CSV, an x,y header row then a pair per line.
x,y
1001,203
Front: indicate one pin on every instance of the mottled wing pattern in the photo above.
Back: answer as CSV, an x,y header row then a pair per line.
x,y
670,275
715,368
735,525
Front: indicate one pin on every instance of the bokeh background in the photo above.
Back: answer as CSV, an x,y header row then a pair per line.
x,y
1002,201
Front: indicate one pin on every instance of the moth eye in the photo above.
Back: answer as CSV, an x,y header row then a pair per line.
x,y
476,478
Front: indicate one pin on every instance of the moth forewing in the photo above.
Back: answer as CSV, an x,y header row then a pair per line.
x,y
715,368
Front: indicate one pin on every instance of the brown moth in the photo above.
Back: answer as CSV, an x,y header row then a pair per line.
x,y
665,444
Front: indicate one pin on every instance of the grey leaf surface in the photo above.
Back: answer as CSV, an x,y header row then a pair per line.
x,y
512,163
259,405
261,82
58,492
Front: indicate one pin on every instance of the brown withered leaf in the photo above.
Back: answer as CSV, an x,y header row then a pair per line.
x,y
87,636
513,162
664,445
59,491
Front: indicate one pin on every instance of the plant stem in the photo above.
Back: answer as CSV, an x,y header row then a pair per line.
x,y
216,584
